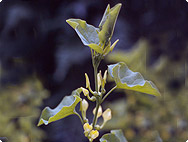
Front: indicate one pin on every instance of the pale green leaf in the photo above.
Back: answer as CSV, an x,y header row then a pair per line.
x,y
108,23
64,109
113,45
127,79
114,136
87,33
119,134
105,15
96,47
110,48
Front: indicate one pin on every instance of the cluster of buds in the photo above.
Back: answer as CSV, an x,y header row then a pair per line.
x,y
89,132
101,81
107,115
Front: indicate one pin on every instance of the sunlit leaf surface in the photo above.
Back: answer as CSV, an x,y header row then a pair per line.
x,y
64,109
87,33
127,79
108,23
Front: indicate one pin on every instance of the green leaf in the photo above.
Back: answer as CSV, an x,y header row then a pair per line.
x,y
64,109
114,136
87,33
96,47
110,48
119,134
127,79
108,22
104,18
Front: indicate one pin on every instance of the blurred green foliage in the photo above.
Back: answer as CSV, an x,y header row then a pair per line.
x,y
150,119
19,110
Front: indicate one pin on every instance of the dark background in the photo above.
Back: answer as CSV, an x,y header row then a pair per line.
x,y
36,40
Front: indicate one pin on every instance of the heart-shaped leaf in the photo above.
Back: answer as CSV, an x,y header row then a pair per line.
x,y
127,79
108,22
114,136
64,109
87,33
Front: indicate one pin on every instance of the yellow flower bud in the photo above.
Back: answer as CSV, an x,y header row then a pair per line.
x,y
85,91
99,79
94,134
105,76
104,79
99,111
87,128
107,115
84,105
87,81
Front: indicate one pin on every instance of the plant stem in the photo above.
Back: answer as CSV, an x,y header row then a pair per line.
x,y
97,98
80,118
95,75
109,93
96,112
96,62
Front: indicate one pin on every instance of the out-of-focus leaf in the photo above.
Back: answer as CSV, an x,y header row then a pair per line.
x,y
114,136
135,58
127,79
119,134
64,109
87,33
108,23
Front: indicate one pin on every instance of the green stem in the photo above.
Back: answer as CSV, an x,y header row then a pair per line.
x,y
91,90
96,112
79,117
95,75
96,59
95,66
109,93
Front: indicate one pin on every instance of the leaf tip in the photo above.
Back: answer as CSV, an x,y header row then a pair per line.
x,y
68,21
108,6
39,123
119,4
72,23
113,45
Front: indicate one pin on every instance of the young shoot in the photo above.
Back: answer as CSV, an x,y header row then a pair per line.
x,y
98,39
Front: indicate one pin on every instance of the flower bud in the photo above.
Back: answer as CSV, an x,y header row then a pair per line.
x,y
99,79
97,127
105,76
87,81
94,134
99,111
104,79
84,105
87,128
107,115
